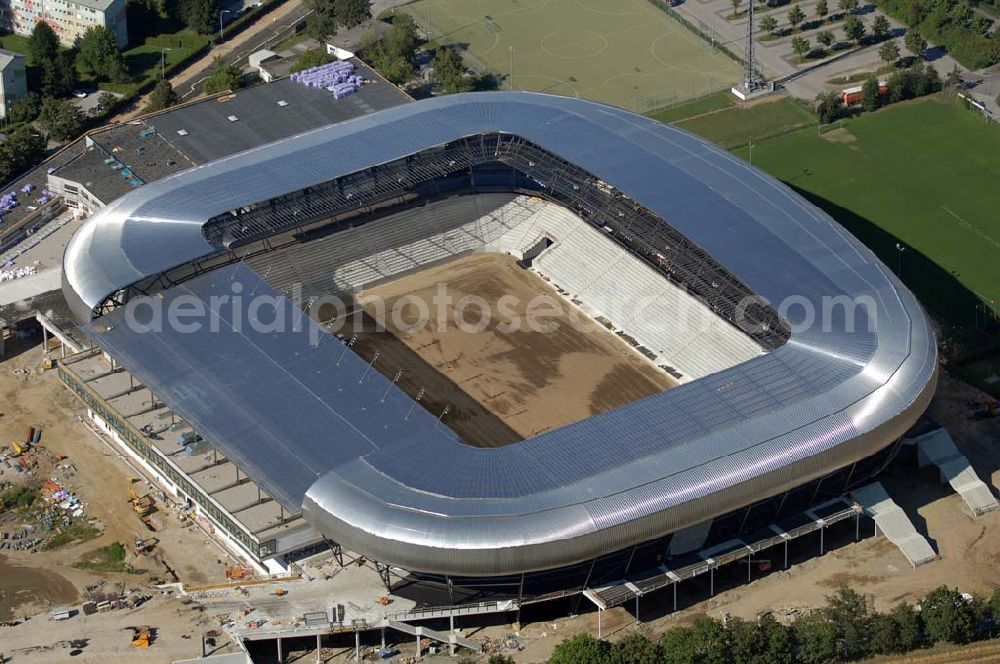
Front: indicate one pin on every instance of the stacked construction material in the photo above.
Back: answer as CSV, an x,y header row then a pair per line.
x,y
337,77
8,202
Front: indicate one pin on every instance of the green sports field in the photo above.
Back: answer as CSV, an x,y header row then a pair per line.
x,y
924,174
623,52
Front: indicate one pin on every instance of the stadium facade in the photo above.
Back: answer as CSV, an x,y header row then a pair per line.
x,y
844,363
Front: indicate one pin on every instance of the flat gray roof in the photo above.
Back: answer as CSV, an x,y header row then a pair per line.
x,y
211,135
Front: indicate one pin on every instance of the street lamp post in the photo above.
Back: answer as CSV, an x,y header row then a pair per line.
x,y
222,36
162,63
512,51
899,259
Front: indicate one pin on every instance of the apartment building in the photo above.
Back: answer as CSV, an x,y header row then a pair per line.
x,y
68,18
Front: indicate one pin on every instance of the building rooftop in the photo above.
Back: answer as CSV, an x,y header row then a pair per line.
x,y
205,131
8,57
100,5
122,158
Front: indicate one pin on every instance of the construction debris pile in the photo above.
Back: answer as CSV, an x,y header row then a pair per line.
x,y
102,602
17,273
22,539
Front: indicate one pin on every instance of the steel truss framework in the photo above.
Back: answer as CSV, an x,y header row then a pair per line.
x,y
491,162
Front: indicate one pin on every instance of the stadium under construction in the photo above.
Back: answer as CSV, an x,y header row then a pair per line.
x,y
797,360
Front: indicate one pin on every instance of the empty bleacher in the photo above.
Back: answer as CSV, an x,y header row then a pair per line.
x,y
602,277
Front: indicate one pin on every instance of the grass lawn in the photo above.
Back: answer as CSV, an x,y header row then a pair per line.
x,y
922,173
629,53
110,559
144,60
15,43
721,118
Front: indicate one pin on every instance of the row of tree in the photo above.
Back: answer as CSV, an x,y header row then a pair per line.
x,y
845,629
915,81
331,15
97,55
964,32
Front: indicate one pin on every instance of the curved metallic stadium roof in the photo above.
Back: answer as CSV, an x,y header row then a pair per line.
x,y
422,500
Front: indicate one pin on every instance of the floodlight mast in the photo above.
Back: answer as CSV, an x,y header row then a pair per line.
x,y
750,80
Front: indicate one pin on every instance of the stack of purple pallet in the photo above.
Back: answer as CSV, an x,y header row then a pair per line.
x,y
337,77
8,202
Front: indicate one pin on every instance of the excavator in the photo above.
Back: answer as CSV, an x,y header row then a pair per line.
x,y
143,505
140,637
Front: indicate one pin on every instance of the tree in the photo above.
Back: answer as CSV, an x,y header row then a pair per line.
x,y
954,78
106,101
777,641
500,659
829,107
880,27
822,9
846,610
679,646
800,46
870,98
884,637
350,13
99,55
847,6
854,28
223,77
581,649
795,16
816,638
59,75
163,96
449,71
395,55
947,616
915,43
826,38
43,45
312,58
635,649
768,24
711,641
23,147
25,110
320,26
736,6
746,643
910,624
202,16
61,119
888,52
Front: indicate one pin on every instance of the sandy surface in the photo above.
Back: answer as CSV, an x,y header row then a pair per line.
x,y
32,584
531,380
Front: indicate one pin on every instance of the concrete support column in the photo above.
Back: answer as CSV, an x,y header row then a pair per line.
x,y
357,644
319,650
281,656
786,554
675,597
711,583
383,638
45,339
451,643
418,645
821,540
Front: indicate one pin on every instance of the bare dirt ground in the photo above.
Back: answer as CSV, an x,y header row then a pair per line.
x,y
529,379
32,584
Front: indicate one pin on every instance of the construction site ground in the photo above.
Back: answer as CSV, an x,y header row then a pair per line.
x,y
32,584
528,377
969,549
